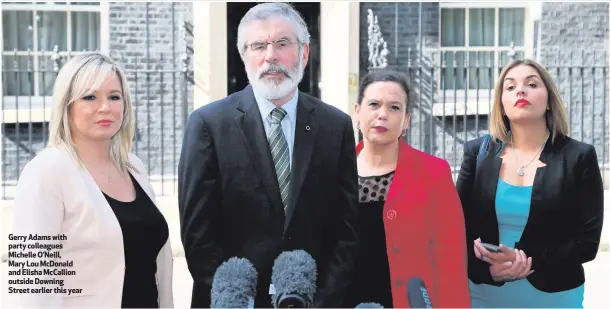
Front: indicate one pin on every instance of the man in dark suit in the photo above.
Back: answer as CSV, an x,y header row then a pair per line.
x,y
269,169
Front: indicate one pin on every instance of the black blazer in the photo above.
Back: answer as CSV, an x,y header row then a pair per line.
x,y
566,214
230,205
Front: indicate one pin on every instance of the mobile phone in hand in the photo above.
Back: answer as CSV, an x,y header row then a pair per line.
x,y
491,247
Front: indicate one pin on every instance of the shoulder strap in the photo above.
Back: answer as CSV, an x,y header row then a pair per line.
x,y
483,150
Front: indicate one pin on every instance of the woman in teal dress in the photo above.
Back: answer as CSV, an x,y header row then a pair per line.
x,y
535,193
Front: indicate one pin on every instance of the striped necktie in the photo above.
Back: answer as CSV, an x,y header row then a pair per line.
x,y
280,153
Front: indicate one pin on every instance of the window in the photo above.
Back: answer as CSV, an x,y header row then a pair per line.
x,y
479,36
31,31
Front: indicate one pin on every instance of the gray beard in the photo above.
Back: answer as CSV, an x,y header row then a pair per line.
x,y
274,89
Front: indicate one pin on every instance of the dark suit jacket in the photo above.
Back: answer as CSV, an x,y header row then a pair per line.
x,y
566,213
230,204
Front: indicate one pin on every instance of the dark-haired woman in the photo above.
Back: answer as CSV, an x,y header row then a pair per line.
x,y
411,222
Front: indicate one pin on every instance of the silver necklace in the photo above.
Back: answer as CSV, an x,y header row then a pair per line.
x,y
521,168
110,174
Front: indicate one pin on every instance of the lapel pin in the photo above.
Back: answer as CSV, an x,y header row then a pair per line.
x,y
307,128
399,283
391,214
396,250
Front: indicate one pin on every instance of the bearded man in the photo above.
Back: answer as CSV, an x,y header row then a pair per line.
x,y
269,169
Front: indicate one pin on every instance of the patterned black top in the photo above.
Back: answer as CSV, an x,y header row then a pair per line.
x,y
371,280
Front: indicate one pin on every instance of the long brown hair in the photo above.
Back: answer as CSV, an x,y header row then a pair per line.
x,y
555,116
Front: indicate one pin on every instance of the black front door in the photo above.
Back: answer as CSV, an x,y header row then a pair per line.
x,y
236,74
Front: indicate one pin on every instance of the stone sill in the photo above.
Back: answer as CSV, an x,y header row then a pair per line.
x,y
470,108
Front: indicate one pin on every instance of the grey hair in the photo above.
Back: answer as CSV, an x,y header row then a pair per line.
x,y
265,11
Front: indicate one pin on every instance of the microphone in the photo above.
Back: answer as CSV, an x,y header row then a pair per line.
x,y
369,305
294,280
234,284
417,294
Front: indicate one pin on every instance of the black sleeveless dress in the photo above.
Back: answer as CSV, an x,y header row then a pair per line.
x,y
145,231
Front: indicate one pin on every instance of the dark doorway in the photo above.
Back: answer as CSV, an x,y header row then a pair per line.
x,y
236,74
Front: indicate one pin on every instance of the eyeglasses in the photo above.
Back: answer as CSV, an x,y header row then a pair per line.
x,y
280,45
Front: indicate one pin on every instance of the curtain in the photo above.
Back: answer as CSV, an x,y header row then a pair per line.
x,y
481,34
53,29
453,35
51,32
511,27
17,35
85,31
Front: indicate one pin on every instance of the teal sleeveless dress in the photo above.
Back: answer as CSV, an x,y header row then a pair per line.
x,y
512,209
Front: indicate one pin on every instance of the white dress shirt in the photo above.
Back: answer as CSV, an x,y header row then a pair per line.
x,y
288,122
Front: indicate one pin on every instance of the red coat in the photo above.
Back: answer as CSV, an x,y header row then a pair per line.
x,y
425,230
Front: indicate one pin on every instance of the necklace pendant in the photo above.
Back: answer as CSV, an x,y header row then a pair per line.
x,y
521,171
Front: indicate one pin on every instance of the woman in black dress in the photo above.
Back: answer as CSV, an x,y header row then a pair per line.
x,y
87,186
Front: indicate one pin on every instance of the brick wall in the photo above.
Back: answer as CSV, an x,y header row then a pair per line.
x,y
577,34
412,33
150,47
158,97
406,27
564,27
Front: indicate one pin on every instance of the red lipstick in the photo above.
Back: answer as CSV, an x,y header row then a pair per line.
x,y
522,103
380,129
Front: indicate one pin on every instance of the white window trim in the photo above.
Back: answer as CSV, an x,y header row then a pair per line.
x,y
478,101
105,27
23,114
51,7
41,105
483,5
38,113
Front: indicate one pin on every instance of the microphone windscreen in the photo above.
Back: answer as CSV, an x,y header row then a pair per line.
x,y
294,272
234,284
417,294
369,305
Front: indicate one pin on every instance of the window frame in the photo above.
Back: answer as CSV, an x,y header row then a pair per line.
x,y
23,112
477,101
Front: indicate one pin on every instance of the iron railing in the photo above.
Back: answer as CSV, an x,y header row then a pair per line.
x,y
452,97
444,115
162,92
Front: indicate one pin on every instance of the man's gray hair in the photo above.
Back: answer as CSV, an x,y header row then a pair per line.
x,y
265,11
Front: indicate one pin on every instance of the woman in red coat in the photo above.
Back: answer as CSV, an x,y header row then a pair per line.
x,y
411,223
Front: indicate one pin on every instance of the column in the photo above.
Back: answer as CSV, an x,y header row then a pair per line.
x,y
339,43
210,52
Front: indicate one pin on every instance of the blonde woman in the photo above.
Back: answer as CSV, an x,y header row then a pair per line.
x,y
87,186
534,193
